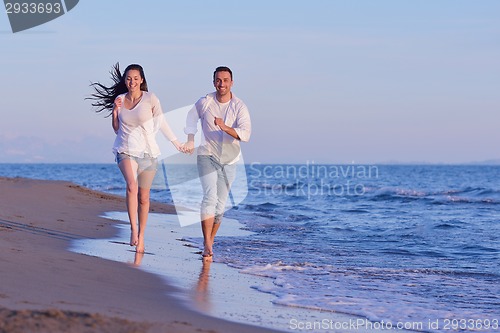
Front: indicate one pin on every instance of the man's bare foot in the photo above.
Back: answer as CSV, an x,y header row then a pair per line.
x,y
134,237
207,254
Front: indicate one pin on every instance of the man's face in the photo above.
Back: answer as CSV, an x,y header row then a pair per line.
x,y
223,83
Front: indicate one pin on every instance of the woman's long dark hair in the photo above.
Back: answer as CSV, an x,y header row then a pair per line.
x,y
104,97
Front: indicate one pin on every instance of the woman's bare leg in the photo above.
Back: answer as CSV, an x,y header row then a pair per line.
x,y
128,168
145,181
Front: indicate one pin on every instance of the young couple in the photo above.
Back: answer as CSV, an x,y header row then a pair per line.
x,y
137,117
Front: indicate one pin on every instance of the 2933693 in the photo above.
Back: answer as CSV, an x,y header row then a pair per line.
x,y
33,8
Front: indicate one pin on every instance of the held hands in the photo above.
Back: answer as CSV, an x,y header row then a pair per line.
x,y
178,146
186,148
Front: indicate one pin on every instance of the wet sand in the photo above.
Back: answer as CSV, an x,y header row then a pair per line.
x,y
46,288
213,288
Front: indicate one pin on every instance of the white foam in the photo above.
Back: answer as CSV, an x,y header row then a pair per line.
x,y
363,292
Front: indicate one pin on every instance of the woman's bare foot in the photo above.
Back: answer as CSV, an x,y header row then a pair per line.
x,y
140,245
134,237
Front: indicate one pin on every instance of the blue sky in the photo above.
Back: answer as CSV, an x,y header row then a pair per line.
x,y
325,81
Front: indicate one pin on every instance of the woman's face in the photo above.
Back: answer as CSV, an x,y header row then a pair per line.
x,y
133,80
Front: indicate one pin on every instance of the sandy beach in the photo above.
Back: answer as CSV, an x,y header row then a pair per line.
x,y
46,288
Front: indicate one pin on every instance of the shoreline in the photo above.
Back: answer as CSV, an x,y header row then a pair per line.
x,y
215,288
50,289
172,291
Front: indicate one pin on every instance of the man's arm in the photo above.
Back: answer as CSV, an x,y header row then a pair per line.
x,y
191,128
243,128
189,145
229,130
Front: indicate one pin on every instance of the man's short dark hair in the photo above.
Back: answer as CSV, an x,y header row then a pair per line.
x,y
223,69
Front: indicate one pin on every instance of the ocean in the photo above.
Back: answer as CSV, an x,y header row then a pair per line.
x,y
390,243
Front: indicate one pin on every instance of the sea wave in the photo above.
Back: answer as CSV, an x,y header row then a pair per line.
x,y
467,195
381,294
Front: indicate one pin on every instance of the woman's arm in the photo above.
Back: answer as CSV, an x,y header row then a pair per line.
x,y
115,122
192,118
162,124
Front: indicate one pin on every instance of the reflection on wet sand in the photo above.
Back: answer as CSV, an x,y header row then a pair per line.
x,y
137,259
201,293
